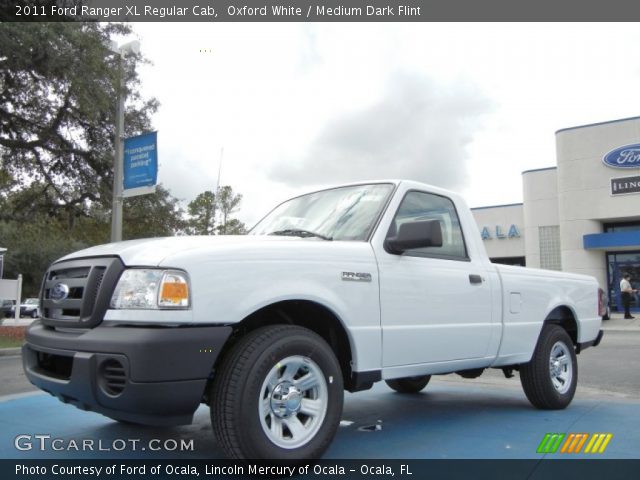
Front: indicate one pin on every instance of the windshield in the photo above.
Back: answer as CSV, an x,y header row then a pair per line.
x,y
31,301
344,213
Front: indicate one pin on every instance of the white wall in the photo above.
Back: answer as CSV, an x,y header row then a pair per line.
x,y
540,195
584,199
503,216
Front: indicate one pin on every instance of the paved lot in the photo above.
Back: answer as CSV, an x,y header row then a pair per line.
x,y
451,419
488,417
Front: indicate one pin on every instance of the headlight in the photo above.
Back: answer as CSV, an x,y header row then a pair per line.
x,y
143,288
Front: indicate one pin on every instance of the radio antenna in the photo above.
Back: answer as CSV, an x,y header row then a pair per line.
x,y
219,169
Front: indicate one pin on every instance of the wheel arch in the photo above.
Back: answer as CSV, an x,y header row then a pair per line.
x,y
304,313
565,317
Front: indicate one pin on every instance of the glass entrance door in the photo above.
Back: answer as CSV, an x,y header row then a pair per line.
x,y
618,265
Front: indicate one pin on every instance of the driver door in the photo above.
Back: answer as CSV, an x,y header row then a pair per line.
x,y
435,301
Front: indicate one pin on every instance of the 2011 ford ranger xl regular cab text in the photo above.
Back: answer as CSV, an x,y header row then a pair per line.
x,y
333,290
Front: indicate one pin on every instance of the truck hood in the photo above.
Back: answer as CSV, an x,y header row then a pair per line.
x,y
152,251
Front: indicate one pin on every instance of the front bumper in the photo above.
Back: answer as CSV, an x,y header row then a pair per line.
x,y
147,375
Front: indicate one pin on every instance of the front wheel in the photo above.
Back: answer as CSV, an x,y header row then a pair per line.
x,y
278,395
549,380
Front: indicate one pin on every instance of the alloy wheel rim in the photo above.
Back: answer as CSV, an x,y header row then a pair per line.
x,y
293,402
560,367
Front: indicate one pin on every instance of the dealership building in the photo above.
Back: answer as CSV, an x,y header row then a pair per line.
x,y
581,216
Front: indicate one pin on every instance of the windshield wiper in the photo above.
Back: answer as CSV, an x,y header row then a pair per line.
x,y
296,232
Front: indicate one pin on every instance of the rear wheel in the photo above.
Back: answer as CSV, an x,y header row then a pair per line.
x,y
278,395
409,384
549,380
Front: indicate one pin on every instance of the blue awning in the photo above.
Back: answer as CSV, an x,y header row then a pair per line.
x,y
605,241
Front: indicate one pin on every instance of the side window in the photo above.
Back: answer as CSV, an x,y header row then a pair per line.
x,y
417,206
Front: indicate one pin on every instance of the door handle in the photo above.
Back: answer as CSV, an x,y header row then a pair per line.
x,y
475,279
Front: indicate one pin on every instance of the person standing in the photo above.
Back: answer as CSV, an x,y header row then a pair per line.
x,y
626,292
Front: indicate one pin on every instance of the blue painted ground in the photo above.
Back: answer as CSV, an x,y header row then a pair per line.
x,y
449,420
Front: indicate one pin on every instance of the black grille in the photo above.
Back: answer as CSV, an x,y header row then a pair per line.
x,y
113,377
76,293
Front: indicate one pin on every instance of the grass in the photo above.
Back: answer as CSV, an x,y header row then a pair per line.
x,y
11,337
10,342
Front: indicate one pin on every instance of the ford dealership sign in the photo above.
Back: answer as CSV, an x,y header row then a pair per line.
x,y
623,157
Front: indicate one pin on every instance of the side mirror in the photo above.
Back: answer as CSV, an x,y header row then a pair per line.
x,y
426,233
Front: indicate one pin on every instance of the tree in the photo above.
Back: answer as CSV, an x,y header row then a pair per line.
x,y
32,246
228,202
202,213
234,227
210,214
153,215
58,85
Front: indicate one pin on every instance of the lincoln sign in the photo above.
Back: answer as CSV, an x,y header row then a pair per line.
x,y
625,185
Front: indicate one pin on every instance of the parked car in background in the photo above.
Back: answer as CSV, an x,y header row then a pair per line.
x,y
29,308
6,308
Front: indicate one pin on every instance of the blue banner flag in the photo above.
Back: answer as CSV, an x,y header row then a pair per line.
x,y
141,161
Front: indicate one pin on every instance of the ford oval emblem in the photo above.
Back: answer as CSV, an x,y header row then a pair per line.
x,y
623,157
59,292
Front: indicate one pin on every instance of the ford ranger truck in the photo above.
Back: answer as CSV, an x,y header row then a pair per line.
x,y
331,291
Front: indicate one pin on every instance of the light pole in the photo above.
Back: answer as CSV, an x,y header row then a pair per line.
x,y
2,251
118,158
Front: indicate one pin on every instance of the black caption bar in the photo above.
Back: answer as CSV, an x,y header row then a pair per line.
x,y
318,10
323,469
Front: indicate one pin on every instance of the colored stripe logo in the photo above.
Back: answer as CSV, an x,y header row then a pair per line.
x,y
550,443
574,443
598,443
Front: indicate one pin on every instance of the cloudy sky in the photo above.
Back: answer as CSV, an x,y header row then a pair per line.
x,y
463,106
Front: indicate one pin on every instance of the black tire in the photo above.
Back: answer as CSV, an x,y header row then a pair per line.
x,y
409,384
34,314
541,380
240,388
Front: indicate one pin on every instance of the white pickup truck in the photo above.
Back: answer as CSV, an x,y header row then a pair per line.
x,y
331,291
